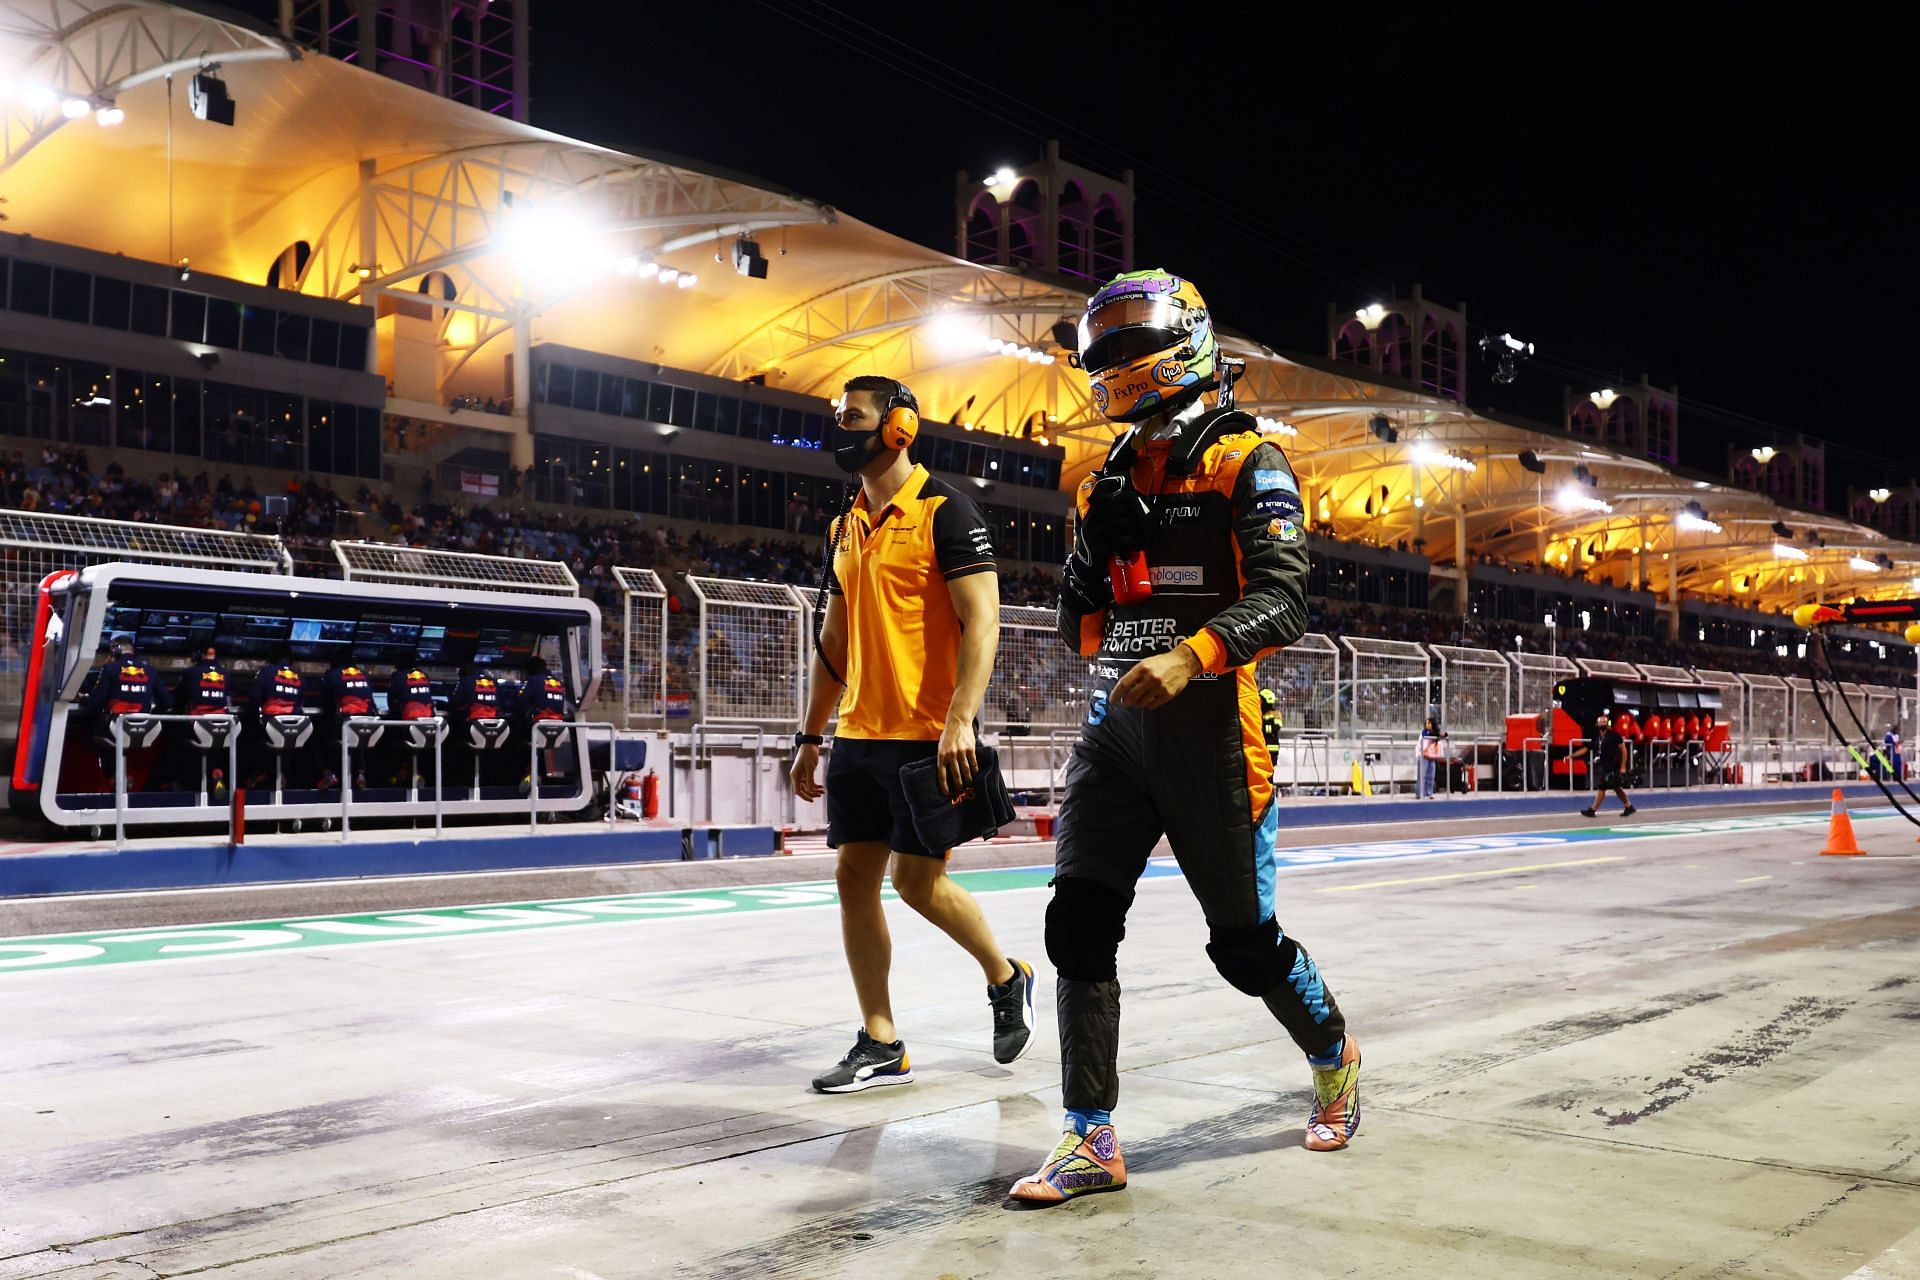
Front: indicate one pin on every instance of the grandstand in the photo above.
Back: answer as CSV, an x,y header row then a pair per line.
x,y
369,311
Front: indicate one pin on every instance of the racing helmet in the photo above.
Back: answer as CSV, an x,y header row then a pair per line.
x,y
1147,345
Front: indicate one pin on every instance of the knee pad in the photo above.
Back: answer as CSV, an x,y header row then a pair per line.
x,y
1085,922
1254,960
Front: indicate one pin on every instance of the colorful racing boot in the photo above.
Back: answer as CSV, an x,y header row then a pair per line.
x,y
1079,1166
1336,1112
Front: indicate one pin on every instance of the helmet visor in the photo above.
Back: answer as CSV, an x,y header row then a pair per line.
x,y
1128,328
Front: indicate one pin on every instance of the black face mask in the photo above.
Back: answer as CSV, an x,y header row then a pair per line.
x,y
850,448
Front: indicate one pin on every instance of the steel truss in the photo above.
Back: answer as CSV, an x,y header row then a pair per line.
x,y
98,49
445,214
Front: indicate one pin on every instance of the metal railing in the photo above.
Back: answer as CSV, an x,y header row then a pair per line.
x,y
363,727
552,731
701,748
121,742
1314,748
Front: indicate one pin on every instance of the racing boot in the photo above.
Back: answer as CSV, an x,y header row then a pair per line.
x,y
1336,1091
1081,1165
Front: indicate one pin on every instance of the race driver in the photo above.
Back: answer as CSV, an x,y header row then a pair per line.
x,y
1172,741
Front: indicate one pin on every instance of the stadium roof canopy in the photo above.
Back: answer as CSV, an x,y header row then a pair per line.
x,y
357,185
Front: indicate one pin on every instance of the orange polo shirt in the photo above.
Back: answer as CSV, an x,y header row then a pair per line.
x,y
903,636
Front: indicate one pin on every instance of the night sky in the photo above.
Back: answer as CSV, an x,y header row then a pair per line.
x,y
1720,204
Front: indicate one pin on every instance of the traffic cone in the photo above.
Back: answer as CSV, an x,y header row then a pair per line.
x,y
1840,841
1360,786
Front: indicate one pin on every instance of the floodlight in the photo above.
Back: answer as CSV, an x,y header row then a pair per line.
x,y
951,332
747,259
552,245
1572,498
207,98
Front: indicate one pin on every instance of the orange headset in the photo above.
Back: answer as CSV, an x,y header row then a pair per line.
x,y
900,418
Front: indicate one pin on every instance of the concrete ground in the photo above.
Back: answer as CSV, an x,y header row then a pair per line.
x,y
1684,1054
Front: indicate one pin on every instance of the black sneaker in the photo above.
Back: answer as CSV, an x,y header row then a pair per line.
x,y
1629,811
1012,1003
1588,813
867,1065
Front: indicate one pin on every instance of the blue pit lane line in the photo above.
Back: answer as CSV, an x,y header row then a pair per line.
x,y
296,933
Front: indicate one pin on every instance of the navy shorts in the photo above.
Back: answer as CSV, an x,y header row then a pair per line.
x,y
865,800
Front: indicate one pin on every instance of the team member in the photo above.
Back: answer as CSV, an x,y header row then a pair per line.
x,y
1172,736
912,620
1609,757
346,690
410,692
475,697
543,696
278,690
126,686
203,691
409,697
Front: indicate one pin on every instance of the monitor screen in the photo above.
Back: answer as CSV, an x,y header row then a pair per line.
x,y
122,620
251,635
433,645
453,646
385,642
500,647
322,638
171,631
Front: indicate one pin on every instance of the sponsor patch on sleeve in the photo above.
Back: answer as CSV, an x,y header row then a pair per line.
x,y
1265,481
1278,504
1284,530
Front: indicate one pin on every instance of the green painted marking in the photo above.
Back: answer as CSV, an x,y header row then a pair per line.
x,y
132,946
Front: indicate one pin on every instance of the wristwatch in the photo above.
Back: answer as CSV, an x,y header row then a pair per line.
x,y
807,740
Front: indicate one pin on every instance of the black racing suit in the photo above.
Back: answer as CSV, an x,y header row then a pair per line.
x,y
1227,554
